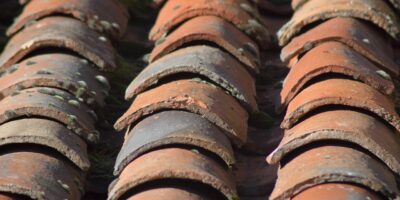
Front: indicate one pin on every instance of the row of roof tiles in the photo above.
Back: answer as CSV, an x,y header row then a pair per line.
x,y
51,87
191,103
341,126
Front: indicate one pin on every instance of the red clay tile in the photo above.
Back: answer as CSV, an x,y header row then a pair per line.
x,y
173,163
359,35
60,32
173,128
47,133
61,71
106,16
195,96
316,10
334,58
39,174
296,4
206,61
340,92
343,125
50,103
212,29
176,12
335,191
334,164
172,193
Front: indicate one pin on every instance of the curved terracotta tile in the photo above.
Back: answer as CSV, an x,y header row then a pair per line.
x,y
176,12
343,125
171,193
107,16
194,96
39,174
60,32
212,29
173,163
171,128
340,92
296,4
337,58
334,191
47,133
355,33
316,10
210,62
55,70
334,164
50,103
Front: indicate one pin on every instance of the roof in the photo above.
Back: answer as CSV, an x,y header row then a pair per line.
x,y
206,101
